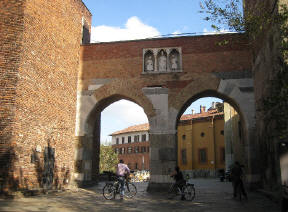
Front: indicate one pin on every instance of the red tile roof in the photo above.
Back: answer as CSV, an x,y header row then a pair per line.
x,y
145,127
209,113
135,128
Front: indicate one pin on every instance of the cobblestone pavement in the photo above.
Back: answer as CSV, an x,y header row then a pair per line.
x,y
211,195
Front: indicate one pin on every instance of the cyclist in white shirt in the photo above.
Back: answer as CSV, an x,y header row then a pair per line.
x,y
122,170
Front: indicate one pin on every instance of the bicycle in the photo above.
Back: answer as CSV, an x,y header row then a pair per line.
x,y
112,188
240,190
188,189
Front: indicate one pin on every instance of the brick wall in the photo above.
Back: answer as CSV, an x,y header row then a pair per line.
x,y
266,64
45,100
201,54
11,25
132,158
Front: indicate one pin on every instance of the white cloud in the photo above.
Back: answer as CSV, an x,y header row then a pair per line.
x,y
120,115
134,29
177,32
127,111
212,32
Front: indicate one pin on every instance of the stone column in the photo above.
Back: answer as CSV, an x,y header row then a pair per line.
x,y
228,136
162,137
242,92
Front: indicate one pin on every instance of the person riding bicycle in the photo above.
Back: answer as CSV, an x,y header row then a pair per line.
x,y
122,170
236,176
179,180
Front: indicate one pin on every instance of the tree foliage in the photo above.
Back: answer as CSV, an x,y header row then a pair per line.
x,y
228,14
108,159
224,14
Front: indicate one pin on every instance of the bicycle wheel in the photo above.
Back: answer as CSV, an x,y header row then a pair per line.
x,y
109,191
130,190
239,191
189,192
172,192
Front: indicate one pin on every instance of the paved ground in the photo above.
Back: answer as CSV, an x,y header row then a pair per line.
x,y
211,195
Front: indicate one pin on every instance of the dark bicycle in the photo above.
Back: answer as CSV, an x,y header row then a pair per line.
x,y
111,189
188,189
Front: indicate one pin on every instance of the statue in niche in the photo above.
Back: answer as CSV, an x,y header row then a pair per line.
x,y
162,61
149,64
174,62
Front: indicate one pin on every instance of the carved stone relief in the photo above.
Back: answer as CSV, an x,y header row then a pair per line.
x,y
162,60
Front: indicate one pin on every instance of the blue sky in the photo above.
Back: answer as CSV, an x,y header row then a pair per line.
x,y
167,16
137,19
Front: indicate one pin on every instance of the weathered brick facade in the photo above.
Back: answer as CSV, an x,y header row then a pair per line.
x,y
266,64
39,69
11,33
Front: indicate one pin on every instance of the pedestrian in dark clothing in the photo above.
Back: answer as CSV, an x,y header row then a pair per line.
x,y
236,176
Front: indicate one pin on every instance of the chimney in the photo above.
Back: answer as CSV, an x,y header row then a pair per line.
x,y
193,111
202,109
213,105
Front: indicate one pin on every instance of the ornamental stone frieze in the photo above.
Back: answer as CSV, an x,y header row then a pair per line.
x,y
162,60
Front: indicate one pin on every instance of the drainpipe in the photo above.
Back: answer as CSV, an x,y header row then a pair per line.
x,y
192,148
214,142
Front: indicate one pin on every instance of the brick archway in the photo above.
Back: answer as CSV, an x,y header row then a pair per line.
x,y
110,71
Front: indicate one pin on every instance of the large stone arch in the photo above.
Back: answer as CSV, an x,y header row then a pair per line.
x,y
90,105
237,92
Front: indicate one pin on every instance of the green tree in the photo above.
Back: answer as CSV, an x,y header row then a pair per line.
x,y
108,158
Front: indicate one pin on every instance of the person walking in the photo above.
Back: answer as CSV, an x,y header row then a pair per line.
x,y
236,176
122,170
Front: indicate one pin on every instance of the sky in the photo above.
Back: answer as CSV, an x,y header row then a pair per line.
x,y
114,20
135,19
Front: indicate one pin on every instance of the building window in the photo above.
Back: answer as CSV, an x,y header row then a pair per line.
x,y
116,150
183,137
222,132
123,150
222,155
136,138
143,138
136,150
143,149
123,140
129,150
202,134
136,165
129,139
202,155
117,140
184,156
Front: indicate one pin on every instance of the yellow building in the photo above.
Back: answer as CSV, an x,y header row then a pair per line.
x,y
201,143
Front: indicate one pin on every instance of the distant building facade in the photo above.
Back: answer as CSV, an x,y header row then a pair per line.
x,y
201,143
132,146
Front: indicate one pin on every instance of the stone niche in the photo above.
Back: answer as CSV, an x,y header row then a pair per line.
x,y
162,60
